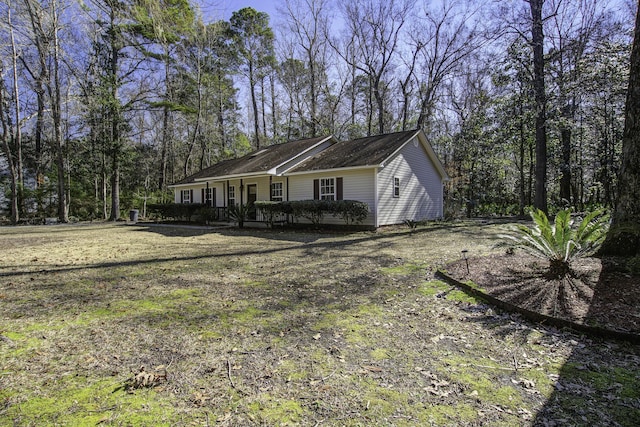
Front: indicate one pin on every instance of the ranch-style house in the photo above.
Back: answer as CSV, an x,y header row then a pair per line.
x,y
397,174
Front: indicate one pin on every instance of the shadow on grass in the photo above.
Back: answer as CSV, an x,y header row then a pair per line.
x,y
599,383
309,239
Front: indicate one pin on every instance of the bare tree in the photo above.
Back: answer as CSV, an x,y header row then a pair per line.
x,y
46,27
374,27
307,24
447,35
254,43
573,29
7,147
12,122
408,82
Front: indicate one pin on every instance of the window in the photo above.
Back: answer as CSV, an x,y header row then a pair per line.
x,y
208,196
327,189
232,195
276,191
396,186
186,196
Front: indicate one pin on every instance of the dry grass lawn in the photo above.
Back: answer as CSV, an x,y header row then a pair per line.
x,y
109,324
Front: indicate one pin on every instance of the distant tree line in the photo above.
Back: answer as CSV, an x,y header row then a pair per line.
x,y
104,103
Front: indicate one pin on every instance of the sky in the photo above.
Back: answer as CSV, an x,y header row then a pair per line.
x,y
222,9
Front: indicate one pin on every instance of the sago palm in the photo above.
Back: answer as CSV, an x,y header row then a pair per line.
x,y
561,242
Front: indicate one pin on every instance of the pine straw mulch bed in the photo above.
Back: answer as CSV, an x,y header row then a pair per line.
x,y
599,292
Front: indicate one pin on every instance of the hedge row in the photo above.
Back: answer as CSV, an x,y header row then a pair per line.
x,y
351,211
180,211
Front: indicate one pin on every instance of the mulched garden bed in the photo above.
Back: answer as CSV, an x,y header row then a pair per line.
x,y
599,292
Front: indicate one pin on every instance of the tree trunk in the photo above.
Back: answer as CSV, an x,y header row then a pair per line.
x,y
379,103
565,168
115,120
314,96
274,115
262,104
17,177
523,185
220,115
40,81
56,113
6,147
164,151
623,237
254,104
540,200
115,187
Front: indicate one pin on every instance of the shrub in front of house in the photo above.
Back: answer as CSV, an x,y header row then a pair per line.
x,y
270,211
206,214
351,211
177,211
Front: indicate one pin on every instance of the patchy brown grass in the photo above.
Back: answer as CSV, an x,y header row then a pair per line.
x,y
146,325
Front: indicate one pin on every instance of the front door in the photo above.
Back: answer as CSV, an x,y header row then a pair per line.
x,y
252,196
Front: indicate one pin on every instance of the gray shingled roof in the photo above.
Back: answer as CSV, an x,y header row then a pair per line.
x,y
368,151
258,161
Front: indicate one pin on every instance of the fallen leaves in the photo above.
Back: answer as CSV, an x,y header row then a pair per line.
x,y
437,386
144,378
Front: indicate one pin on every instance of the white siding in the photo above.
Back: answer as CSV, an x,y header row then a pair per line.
x,y
356,185
263,186
197,193
220,191
421,189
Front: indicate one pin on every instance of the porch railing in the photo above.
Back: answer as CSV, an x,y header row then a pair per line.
x,y
262,217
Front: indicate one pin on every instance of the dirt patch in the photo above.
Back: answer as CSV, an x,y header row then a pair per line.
x,y
599,292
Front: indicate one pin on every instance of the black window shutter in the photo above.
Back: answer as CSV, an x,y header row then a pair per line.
x,y
338,188
191,196
202,198
316,189
181,196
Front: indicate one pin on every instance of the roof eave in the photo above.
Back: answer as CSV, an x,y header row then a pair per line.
x,y
180,185
307,172
270,172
